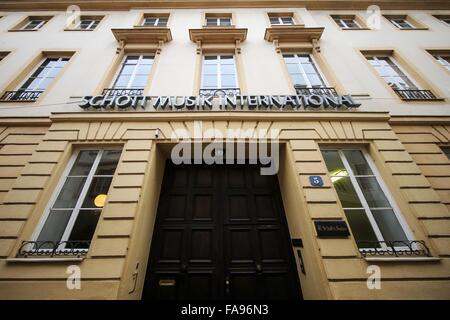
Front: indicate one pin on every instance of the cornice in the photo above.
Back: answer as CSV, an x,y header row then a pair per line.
x,y
14,5
218,35
142,35
293,34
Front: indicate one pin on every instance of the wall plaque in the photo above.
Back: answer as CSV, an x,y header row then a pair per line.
x,y
331,228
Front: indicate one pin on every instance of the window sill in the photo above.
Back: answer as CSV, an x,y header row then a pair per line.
x,y
79,29
352,29
414,29
43,260
401,259
25,30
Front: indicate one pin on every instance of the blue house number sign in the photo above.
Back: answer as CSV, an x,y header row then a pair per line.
x,y
316,181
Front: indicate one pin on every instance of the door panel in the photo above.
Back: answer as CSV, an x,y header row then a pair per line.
x,y
220,233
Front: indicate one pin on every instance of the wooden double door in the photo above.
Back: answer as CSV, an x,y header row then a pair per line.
x,y
220,233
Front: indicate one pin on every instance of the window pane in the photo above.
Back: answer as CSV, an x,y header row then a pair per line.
x,y
210,59
162,22
99,187
108,162
314,80
227,69
139,82
210,69
389,226
54,226
83,163
346,192
361,228
84,226
70,192
211,21
373,193
229,81
357,162
334,163
210,81
122,81
225,22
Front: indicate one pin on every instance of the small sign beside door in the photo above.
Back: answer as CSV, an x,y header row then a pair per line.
x,y
316,181
331,228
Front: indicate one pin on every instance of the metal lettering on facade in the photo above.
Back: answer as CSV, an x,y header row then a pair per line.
x,y
225,102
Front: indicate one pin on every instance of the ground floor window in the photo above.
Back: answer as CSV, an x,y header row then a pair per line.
x,y
75,208
368,206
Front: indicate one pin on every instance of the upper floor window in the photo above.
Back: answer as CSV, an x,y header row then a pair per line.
x,y
443,59
133,75
347,22
87,23
3,55
72,215
303,71
368,206
213,21
155,20
391,73
404,22
38,81
34,24
219,72
443,18
281,19
31,23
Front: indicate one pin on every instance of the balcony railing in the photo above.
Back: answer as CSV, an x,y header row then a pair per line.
x,y
122,92
53,248
21,96
217,92
400,248
415,94
319,91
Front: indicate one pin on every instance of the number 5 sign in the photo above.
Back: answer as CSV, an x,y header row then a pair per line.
x,y
316,181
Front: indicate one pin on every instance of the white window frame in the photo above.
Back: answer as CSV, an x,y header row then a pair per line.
x,y
341,23
155,24
34,70
218,21
37,27
395,23
133,75
394,207
92,23
78,204
303,73
280,20
439,58
219,71
411,79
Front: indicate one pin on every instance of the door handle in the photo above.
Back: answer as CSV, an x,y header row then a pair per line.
x,y
227,286
258,268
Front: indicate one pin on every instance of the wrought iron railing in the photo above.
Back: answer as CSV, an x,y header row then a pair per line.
x,y
415,94
53,248
21,96
217,92
400,248
320,91
122,92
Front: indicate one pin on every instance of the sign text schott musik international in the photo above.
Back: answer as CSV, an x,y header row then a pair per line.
x,y
225,102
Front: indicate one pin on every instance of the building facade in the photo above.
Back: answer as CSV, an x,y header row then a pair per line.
x,y
98,99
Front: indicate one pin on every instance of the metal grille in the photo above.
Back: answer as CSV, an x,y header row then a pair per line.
x,y
415,94
21,96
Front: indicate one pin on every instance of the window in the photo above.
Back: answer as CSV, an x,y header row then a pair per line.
x,y
78,201
218,72
38,81
218,21
134,72
446,151
347,22
303,71
87,23
391,73
155,21
445,19
34,24
3,55
370,211
281,20
443,59
404,22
